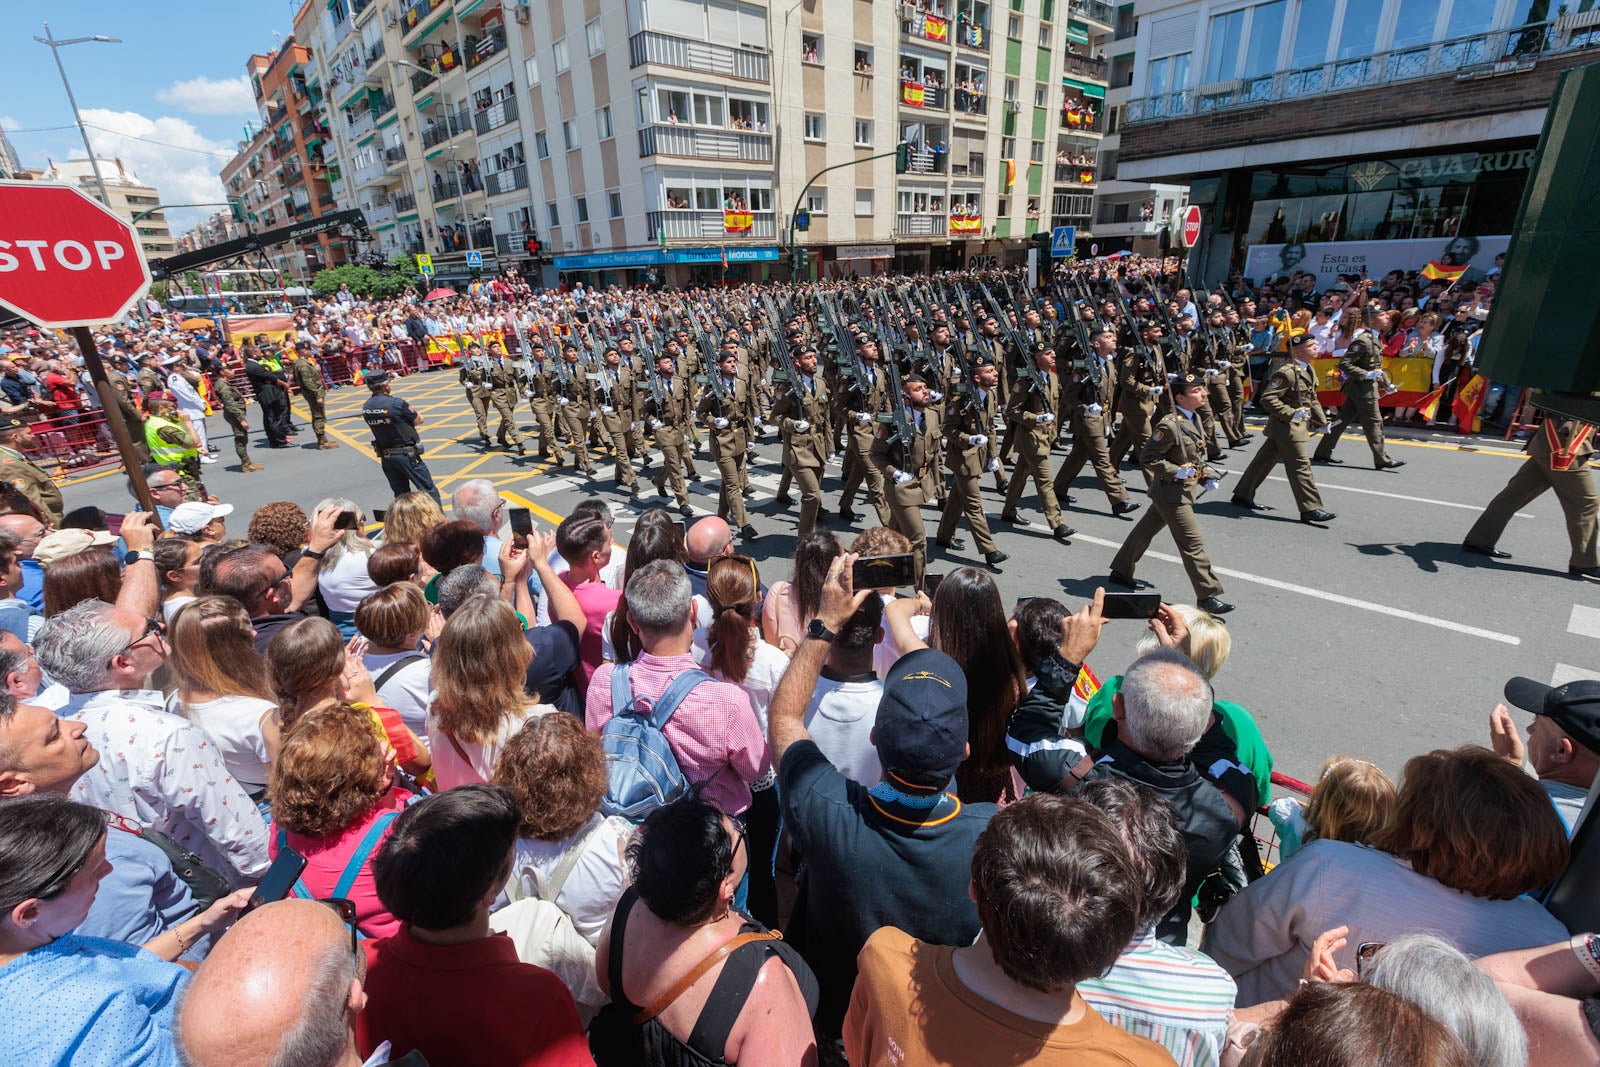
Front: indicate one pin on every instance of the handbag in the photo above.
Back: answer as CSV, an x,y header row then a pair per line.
x,y
206,884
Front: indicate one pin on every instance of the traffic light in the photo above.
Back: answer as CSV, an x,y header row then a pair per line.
x,y
902,157
533,247
1041,241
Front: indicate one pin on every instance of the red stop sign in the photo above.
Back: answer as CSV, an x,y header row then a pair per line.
x,y
1191,226
65,260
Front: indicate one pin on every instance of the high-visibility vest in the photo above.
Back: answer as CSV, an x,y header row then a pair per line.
x,y
160,450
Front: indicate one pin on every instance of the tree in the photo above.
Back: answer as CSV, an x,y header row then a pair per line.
x,y
364,282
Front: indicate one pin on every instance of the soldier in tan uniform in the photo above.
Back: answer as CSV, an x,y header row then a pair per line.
x,y
24,476
1172,461
235,411
539,386
1290,400
574,406
801,412
903,466
724,407
128,406
1034,399
306,373
1088,410
617,401
1142,383
972,451
666,415
1362,369
1558,458
861,411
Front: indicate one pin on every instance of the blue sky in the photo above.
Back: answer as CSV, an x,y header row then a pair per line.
x,y
170,101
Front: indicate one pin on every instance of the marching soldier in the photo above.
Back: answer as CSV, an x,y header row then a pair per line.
x,y
1217,368
666,414
1031,327
1558,458
1086,399
903,467
618,402
574,406
270,383
474,377
235,410
1142,382
1171,459
971,452
1361,367
503,395
1033,410
307,374
801,412
1238,374
539,386
862,405
723,406
1290,400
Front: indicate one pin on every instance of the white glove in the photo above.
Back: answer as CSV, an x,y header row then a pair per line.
x,y
656,424
1171,377
1210,485
1156,390
1300,416
1212,372
935,395
1094,409
1374,375
605,410
863,417
902,478
721,424
977,440
1185,473
633,427
801,426
562,401
994,465
1045,418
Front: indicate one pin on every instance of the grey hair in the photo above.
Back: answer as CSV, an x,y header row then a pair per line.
x,y
1167,705
1441,980
76,646
464,583
475,501
659,597
349,541
320,1036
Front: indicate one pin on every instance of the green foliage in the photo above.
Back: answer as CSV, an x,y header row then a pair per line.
x,y
364,282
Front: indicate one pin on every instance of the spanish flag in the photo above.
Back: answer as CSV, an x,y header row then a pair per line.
x,y
1011,173
964,224
1469,399
738,221
1436,271
911,93
935,28
1428,406
1087,685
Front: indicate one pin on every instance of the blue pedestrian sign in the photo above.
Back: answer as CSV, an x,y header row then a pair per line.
x,y
1062,240
474,259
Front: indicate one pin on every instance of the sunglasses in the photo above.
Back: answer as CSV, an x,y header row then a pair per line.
x,y
152,628
346,910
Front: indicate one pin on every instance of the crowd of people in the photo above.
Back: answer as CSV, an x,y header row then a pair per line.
x,y
277,790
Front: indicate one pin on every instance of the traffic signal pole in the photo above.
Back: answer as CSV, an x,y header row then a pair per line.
x,y
801,199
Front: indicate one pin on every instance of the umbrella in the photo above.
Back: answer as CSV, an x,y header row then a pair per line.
x,y
1114,255
444,292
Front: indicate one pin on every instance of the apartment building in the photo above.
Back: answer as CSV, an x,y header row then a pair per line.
x,y
214,229
129,198
1357,134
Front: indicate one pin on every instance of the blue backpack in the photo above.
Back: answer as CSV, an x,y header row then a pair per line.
x,y
352,870
642,772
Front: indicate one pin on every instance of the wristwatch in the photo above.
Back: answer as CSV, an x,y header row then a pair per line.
x,y
307,551
134,557
820,632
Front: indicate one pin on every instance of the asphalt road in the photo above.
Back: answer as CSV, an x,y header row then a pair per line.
x,y
1374,636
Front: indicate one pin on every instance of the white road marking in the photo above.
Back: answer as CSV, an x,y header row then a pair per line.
x,y
552,483
1585,621
1566,672
1335,598
1398,496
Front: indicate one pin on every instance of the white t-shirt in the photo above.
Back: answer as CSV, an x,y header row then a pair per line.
x,y
767,664
596,881
840,718
702,621
234,722
407,691
448,767
886,653
346,583
169,608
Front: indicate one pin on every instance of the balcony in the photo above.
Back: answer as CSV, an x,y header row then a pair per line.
x,y
416,13
666,50
312,129
506,181
1097,10
969,102
512,244
404,203
440,131
917,94
325,200
1086,67
454,239
374,53
358,6
379,213
1076,173
372,173
693,225
291,174
413,246
360,125
484,48
925,25
1084,121
445,188
926,162
907,224
1127,228
395,153
695,143
495,115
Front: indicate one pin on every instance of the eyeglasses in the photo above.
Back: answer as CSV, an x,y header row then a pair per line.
x,y
152,628
346,910
739,841
154,488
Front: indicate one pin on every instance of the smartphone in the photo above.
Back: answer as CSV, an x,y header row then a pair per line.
x,y
930,584
683,528
346,521
378,514
279,879
882,572
1364,954
1132,605
521,524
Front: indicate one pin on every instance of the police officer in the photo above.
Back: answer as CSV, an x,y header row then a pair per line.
x,y
1290,401
1362,369
23,475
394,437
1172,461
801,412
724,407
972,451
234,410
307,375
1086,400
1034,400
270,383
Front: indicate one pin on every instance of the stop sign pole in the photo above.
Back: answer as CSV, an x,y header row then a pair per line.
x,y
67,261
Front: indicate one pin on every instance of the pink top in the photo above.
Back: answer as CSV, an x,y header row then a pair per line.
x,y
597,601
327,858
714,732
781,623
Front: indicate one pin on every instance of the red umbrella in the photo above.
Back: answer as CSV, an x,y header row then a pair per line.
x,y
444,292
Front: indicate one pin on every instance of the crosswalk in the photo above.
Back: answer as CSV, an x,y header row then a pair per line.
x,y
1585,622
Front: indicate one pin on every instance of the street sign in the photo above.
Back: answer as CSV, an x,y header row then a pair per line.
x,y
1062,241
65,260
1191,226
425,265
474,259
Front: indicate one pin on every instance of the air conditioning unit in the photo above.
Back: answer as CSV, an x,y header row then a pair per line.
x,y
523,14
1013,106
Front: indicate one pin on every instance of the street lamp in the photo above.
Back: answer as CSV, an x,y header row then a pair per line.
x,y
55,50
450,142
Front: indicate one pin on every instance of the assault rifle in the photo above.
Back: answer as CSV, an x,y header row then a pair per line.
x,y
1029,370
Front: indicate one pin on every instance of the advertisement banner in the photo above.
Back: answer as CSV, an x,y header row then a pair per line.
x,y
1329,259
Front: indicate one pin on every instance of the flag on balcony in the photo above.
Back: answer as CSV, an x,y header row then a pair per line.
x,y
935,28
965,224
1086,177
911,93
1439,272
1011,173
738,221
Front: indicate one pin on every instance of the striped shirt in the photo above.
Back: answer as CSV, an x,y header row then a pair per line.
x,y
1172,995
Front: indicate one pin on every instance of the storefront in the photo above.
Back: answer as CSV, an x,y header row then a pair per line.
x,y
858,261
673,267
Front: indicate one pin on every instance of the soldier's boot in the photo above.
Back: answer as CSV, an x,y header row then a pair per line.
x,y
325,444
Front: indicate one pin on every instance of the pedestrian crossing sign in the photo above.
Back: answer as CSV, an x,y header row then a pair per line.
x,y
425,265
474,259
1062,240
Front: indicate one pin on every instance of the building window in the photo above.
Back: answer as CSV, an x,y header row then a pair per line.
x,y
602,123
1044,35
1011,89
863,59
1014,27
817,202
569,133
811,48
1036,152
1040,89
1008,148
531,69
708,110
595,36
815,125
864,202
864,133
1003,207
614,205
541,144
560,50
553,214
582,205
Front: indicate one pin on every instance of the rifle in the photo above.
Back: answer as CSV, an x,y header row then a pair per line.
x,y
844,350
780,352
1029,370
1152,359
1086,364
905,432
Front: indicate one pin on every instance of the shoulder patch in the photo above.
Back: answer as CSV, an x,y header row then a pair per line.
x,y
1160,433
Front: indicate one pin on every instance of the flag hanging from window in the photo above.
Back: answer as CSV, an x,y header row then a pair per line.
x,y
935,28
738,221
911,93
1011,173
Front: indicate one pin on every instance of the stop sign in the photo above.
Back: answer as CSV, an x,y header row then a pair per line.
x,y
1191,226
65,260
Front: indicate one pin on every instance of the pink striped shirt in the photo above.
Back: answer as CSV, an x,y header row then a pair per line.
x,y
714,732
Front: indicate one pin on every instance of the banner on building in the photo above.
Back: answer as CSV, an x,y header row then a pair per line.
x,y
911,93
935,28
738,221
965,224
1329,259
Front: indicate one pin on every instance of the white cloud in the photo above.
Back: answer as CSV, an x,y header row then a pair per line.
x,y
168,153
211,96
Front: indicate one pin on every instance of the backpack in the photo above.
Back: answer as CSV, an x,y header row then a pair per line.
x,y
642,772
352,870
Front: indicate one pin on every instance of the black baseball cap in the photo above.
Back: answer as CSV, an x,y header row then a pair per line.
x,y
1575,707
922,717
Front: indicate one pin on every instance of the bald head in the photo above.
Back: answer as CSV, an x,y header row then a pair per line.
x,y
282,987
707,538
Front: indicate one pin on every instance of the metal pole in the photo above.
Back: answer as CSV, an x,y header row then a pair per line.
x,y
812,181
94,160
114,421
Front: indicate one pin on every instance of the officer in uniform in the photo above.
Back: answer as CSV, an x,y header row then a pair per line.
x,y
574,407
1361,367
1172,461
1033,410
666,414
394,428
474,377
1142,382
903,467
862,406
1558,458
270,383
801,412
972,451
1088,406
150,380
618,402
313,390
234,410
724,407
539,385
1289,398
128,406
23,475
1238,374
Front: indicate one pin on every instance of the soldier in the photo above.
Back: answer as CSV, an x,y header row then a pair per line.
x,y
801,412
171,445
574,406
1217,367
1361,366
1290,400
862,405
539,386
1031,327
306,373
618,402
972,452
503,395
1558,458
23,475
128,406
1086,399
150,380
234,410
666,415
904,465
1033,410
474,377
724,407
395,439
1171,461
1238,373
1142,382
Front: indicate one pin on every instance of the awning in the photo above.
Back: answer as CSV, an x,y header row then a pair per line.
x,y
1086,88
1077,32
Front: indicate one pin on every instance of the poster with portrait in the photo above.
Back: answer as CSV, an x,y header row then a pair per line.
x,y
1329,259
